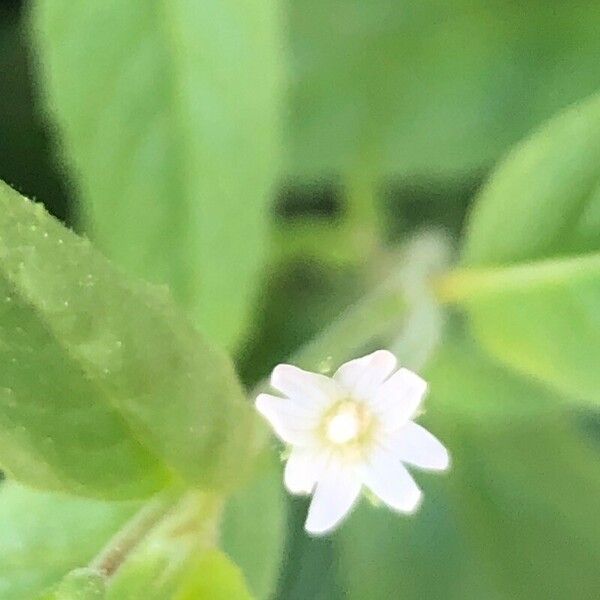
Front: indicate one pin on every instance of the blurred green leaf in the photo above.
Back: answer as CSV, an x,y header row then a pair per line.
x,y
525,487
254,518
44,535
534,240
430,86
169,113
383,555
514,518
310,563
214,577
81,584
100,378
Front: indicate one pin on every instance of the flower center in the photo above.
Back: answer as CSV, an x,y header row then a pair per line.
x,y
343,427
346,423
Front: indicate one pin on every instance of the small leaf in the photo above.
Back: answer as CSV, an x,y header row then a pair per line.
x,y
169,115
533,247
43,536
105,389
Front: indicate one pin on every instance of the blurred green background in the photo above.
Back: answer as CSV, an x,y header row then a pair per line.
x,y
387,118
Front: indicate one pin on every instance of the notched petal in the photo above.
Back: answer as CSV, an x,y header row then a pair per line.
x,y
399,398
363,376
290,421
417,446
335,495
302,470
388,479
303,386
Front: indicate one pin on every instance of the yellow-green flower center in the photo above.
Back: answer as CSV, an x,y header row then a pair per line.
x,y
347,423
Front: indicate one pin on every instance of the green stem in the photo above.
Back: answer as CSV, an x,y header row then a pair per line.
x,y
463,285
113,555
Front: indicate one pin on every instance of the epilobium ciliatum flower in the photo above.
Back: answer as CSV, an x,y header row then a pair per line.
x,y
351,430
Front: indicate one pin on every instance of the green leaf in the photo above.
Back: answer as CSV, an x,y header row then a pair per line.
x,y
396,85
43,536
254,518
515,517
104,388
168,113
533,247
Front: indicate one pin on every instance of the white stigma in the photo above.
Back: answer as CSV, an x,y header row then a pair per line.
x,y
343,427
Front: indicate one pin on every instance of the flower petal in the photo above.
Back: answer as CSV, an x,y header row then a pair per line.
x,y
388,479
303,468
334,496
293,423
415,445
398,399
363,376
303,386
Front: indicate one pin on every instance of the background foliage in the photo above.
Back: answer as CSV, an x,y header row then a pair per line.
x,y
309,180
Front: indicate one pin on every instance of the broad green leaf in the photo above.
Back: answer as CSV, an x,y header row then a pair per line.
x,y
43,536
427,86
533,246
104,388
168,113
254,518
515,517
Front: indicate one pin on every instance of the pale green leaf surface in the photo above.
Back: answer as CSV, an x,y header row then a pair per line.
x,y
534,237
80,584
525,487
214,577
430,86
168,112
45,535
515,517
149,574
103,385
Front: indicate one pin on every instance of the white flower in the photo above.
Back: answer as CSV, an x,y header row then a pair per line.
x,y
352,430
